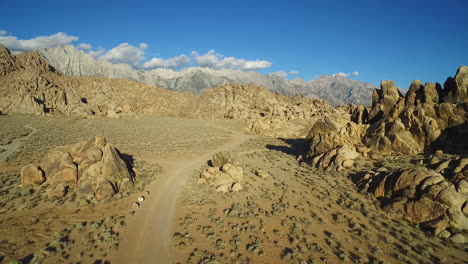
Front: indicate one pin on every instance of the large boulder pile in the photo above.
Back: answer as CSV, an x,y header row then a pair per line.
x,y
411,124
94,167
224,175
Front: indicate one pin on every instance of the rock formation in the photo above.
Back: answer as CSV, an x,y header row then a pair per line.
x,y
437,197
94,167
225,174
425,120
416,123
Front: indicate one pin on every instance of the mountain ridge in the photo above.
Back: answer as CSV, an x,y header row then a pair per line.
x,y
338,90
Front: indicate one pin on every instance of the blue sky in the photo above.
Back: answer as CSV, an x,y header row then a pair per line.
x,y
396,40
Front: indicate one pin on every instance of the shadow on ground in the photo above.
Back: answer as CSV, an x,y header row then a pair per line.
x,y
296,146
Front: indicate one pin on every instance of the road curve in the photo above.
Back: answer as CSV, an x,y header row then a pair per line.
x,y
148,236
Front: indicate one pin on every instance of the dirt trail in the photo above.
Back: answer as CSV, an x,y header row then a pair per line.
x,y
148,236
10,148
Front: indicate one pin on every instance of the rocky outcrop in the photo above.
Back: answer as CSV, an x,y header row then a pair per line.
x,y
456,89
28,88
94,167
437,198
225,175
333,144
423,120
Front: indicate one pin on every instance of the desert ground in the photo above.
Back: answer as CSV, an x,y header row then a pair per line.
x,y
293,214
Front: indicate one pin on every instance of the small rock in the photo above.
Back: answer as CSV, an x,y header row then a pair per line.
x,y
458,238
444,234
236,187
381,169
147,193
136,205
141,198
262,174
223,188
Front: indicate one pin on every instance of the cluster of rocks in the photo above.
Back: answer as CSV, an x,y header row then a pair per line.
x,y
94,167
414,123
436,197
268,114
427,118
225,174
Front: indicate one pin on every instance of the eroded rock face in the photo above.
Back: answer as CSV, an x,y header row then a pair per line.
x,y
412,124
93,166
225,175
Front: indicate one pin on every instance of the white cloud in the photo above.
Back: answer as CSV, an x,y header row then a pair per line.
x,y
96,53
285,74
174,62
84,46
3,32
341,74
354,73
293,73
14,44
126,53
217,61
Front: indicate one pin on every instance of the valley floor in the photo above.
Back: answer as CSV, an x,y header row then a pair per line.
x,y
297,215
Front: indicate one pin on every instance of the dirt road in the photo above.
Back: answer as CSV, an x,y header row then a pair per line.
x,y
148,236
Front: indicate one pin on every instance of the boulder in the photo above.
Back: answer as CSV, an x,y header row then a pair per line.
x,y
31,176
94,167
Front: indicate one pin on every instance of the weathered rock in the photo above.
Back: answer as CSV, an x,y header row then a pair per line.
x,y
456,89
262,174
93,166
335,159
224,188
31,176
236,187
235,172
459,239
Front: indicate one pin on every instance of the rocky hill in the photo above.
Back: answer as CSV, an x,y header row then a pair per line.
x,y
29,85
337,90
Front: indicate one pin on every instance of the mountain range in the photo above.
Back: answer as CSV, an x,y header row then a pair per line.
x,y
337,90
